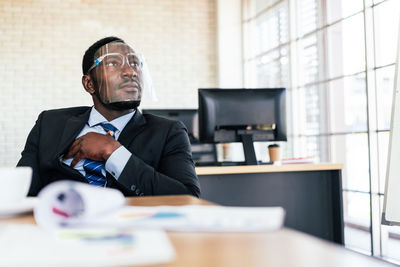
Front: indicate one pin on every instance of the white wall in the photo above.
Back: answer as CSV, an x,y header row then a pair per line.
x,y
42,43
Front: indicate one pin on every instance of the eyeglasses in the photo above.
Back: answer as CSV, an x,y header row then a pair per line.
x,y
115,62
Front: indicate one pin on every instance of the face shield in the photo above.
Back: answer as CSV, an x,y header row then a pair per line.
x,y
121,76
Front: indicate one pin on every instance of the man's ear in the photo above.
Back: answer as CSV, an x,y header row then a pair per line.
x,y
87,83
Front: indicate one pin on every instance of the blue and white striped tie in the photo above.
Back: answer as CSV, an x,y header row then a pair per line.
x,y
94,168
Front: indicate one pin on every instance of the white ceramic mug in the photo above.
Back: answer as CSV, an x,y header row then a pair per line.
x,y
14,184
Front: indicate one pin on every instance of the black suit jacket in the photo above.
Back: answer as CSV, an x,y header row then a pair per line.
x,y
161,162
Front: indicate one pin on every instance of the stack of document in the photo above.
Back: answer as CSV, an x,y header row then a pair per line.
x,y
69,204
193,218
300,160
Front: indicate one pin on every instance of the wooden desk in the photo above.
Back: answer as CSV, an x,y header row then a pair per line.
x,y
281,248
310,193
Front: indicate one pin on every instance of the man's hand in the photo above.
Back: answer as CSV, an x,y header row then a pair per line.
x,y
92,146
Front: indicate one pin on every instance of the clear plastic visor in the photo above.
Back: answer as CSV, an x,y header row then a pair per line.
x,y
121,75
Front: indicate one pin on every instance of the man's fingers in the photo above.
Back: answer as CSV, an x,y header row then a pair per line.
x,y
76,159
93,146
73,149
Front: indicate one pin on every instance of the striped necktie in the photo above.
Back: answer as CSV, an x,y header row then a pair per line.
x,y
93,168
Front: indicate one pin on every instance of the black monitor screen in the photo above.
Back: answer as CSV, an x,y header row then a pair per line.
x,y
201,153
242,115
189,117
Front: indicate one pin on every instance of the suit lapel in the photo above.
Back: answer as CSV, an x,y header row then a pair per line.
x,y
132,129
72,128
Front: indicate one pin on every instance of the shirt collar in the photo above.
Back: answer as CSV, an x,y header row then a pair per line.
x,y
95,118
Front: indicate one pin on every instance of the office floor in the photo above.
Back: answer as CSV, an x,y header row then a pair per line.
x,y
356,239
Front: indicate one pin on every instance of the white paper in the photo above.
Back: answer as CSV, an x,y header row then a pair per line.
x,y
29,245
198,218
65,203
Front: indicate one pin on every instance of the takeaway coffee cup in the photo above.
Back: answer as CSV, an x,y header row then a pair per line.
x,y
15,182
274,152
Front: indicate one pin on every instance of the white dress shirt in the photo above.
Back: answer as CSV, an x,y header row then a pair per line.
x,y
118,159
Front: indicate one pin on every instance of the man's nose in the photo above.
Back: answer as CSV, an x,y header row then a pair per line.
x,y
128,71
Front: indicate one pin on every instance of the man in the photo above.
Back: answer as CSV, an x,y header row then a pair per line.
x,y
111,144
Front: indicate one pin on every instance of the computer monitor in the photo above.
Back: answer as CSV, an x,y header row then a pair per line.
x,y
242,115
202,154
189,117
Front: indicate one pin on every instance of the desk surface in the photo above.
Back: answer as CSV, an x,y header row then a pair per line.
x,y
267,168
281,248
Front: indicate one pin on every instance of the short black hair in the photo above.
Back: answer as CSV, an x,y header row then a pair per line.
x,y
88,58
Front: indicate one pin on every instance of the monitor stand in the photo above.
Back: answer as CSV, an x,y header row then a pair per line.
x,y
248,148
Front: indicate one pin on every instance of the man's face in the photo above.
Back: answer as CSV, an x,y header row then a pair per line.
x,y
118,75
